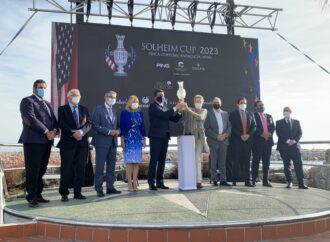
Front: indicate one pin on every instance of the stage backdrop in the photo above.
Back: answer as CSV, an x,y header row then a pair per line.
x,y
96,58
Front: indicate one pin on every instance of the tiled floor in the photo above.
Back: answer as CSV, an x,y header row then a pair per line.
x,y
33,239
324,237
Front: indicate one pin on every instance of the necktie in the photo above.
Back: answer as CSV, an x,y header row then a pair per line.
x,y
111,114
244,122
44,105
264,123
75,116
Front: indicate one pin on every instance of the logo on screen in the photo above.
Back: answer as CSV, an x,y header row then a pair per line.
x,y
119,60
198,67
163,66
180,66
145,100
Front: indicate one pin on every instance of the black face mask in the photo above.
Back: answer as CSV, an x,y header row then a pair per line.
x,y
160,99
261,108
216,106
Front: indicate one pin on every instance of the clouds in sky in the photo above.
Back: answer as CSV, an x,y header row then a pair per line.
x,y
287,77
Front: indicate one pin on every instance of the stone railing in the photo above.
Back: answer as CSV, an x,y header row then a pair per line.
x,y
317,176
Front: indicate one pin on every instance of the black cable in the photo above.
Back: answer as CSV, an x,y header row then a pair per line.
x,y
19,31
309,58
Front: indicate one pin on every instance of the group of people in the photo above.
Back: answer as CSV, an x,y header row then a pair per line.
x,y
215,131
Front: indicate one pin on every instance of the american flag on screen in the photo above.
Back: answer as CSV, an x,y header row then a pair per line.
x,y
64,62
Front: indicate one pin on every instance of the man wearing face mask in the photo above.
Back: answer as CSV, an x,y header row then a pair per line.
x,y
39,131
289,133
243,128
262,143
217,130
193,124
74,122
159,135
105,123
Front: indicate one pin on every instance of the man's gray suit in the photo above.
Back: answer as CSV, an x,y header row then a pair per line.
x,y
105,145
218,149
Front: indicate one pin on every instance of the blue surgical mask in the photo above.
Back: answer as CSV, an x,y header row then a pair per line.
x,y
41,92
111,101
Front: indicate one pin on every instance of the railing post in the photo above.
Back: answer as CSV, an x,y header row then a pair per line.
x,y
2,196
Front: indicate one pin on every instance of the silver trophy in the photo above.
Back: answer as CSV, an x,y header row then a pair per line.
x,y
120,56
181,93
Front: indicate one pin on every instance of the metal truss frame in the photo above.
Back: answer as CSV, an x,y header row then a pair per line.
x,y
189,12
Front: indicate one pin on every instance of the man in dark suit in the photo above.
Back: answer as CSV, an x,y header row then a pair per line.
x,y
289,133
74,122
242,130
105,123
217,131
159,135
39,131
262,143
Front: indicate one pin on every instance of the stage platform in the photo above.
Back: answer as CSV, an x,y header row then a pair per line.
x,y
235,214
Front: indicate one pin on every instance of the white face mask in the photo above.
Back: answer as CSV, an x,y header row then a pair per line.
x,y
198,105
111,101
135,106
286,115
242,106
75,100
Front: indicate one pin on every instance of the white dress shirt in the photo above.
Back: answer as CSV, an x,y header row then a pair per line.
x,y
218,116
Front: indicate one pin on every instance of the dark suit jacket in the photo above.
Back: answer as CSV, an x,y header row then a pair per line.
x,y
36,120
259,129
236,125
284,132
102,124
159,118
67,124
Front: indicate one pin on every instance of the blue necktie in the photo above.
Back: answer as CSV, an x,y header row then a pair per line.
x,y
75,116
111,114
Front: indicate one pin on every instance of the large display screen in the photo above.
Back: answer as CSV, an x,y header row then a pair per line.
x,y
96,58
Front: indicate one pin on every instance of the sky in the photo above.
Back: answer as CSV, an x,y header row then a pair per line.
x,y
286,76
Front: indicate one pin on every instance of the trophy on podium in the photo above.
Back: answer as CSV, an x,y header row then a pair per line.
x,y
181,93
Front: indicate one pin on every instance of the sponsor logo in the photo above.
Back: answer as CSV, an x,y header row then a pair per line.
x,y
164,85
198,67
163,66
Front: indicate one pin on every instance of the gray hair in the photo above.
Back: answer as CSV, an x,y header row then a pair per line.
x,y
70,92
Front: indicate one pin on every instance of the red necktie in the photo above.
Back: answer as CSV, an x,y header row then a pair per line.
x,y
264,122
244,122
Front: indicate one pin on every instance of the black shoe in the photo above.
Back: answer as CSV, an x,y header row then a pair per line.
x,y
100,194
42,200
289,185
64,198
254,183
215,183
33,203
113,191
224,183
267,184
79,196
302,186
248,184
162,186
152,187
234,184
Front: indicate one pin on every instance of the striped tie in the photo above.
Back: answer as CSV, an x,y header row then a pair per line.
x,y
75,116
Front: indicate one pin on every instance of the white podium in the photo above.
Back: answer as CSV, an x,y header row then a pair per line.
x,y
186,162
